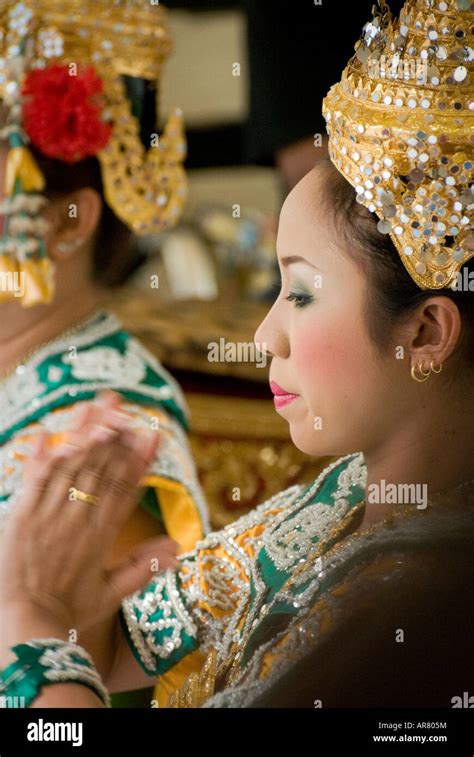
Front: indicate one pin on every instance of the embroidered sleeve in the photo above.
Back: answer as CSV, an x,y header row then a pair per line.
x,y
172,476
202,604
159,626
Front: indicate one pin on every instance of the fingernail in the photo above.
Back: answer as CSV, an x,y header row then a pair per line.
x,y
118,418
106,397
102,434
64,453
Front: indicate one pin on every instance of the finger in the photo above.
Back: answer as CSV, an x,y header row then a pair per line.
x,y
140,566
84,415
91,412
93,479
105,410
109,399
40,445
35,482
98,418
34,462
155,442
33,469
51,473
57,496
122,483
81,469
40,469
80,515
54,470
63,471
89,481
161,552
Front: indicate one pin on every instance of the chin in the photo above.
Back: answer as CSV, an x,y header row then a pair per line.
x,y
303,439
306,441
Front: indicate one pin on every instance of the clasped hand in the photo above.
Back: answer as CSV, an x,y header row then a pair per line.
x,y
54,547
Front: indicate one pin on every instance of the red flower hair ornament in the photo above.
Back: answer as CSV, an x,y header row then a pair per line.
x,y
62,113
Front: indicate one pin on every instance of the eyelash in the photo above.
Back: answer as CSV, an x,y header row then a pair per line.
x,y
300,300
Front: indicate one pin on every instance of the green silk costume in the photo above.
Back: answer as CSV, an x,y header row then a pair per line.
x,y
230,593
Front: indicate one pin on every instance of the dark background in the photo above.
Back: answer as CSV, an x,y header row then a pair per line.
x,y
296,51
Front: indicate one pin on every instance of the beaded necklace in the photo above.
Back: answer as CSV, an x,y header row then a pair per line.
x,y
38,348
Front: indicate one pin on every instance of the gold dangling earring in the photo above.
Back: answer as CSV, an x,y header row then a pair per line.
x,y
424,376
440,367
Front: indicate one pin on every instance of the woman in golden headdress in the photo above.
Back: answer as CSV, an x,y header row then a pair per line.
x,y
371,339
82,170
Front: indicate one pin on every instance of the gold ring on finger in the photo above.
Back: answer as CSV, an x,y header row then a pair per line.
x,y
77,494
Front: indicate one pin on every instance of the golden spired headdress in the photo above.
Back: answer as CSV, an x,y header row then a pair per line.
x,y
401,131
62,69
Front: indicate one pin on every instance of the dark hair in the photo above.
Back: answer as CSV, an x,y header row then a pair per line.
x,y
392,294
115,255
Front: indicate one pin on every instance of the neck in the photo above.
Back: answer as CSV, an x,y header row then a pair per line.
x,y
22,330
427,455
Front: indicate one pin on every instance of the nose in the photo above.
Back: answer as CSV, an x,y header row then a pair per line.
x,y
270,338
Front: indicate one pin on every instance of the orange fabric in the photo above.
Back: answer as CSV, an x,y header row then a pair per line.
x,y
244,541
175,678
180,515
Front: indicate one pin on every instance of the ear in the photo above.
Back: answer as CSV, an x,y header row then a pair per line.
x,y
73,220
434,331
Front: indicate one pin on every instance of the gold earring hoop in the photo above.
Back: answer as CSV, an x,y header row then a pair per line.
x,y
422,376
67,248
436,370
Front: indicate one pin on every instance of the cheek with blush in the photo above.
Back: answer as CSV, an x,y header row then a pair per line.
x,y
333,361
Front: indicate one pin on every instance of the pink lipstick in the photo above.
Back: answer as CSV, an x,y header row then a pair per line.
x,y
281,398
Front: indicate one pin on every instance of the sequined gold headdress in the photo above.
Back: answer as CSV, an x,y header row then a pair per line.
x,y
65,68
401,131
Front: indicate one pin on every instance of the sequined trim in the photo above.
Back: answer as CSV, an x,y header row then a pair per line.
x,y
158,621
215,588
23,393
173,461
303,633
